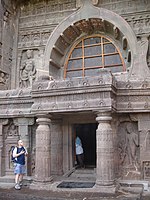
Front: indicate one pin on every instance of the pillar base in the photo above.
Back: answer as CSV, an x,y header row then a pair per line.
x,y
42,185
111,189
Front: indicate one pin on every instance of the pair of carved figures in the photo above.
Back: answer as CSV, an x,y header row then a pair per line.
x,y
27,70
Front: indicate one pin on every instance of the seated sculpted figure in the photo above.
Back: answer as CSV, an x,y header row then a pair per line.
x,y
2,78
27,71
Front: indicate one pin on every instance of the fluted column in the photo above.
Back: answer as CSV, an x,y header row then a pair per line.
x,y
105,153
43,152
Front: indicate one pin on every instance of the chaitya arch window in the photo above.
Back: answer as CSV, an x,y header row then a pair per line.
x,y
90,55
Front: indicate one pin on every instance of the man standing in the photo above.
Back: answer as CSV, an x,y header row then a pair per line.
x,y
19,154
79,152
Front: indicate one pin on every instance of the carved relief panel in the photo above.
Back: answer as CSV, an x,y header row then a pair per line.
x,y
122,6
41,7
11,137
146,170
4,80
129,150
27,68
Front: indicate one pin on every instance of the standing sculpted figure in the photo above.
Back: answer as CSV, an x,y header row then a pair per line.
x,y
27,71
132,143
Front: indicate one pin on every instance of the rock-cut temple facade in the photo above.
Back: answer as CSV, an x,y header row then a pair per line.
x,y
76,67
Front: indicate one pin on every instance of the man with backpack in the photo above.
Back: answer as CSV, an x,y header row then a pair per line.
x,y
19,154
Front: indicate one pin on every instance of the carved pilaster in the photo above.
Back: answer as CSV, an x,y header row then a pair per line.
x,y
2,122
43,151
23,130
23,124
105,152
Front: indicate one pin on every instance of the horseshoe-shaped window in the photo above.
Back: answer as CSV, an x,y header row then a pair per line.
x,y
91,54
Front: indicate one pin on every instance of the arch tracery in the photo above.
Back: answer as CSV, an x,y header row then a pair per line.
x,y
92,53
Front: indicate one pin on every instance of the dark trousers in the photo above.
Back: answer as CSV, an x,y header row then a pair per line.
x,y
80,160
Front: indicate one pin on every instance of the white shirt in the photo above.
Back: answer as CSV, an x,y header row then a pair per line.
x,y
79,149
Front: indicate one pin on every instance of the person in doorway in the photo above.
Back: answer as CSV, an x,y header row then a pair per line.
x,y
79,152
19,154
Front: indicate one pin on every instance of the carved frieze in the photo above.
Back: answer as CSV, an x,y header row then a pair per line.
x,y
139,22
122,6
134,102
45,12
90,95
33,38
41,7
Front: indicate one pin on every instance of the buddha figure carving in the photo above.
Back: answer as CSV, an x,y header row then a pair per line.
x,y
132,140
27,71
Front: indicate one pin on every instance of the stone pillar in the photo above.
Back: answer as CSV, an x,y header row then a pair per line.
x,y
23,130
105,154
2,122
43,154
56,147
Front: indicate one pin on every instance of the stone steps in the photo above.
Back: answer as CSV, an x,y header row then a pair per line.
x,y
9,181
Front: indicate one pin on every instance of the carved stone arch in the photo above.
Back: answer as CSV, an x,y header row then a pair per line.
x,y
80,23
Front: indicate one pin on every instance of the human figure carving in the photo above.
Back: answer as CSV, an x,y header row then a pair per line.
x,y
132,143
2,78
13,130
27,71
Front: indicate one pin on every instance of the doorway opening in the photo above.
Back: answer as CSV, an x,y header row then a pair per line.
x,y
87,134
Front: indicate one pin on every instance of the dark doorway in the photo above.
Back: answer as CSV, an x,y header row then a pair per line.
x,y
87,134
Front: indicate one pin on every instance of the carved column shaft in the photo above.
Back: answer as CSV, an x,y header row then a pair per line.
x,y
105,151
43,152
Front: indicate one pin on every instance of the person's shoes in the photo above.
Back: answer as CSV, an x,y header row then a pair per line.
x,y
17,187
20,183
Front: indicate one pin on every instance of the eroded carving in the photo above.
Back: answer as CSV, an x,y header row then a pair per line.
x,y
132,143
146,169
11,131
128,150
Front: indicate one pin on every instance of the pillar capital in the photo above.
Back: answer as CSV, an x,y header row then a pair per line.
x,y
4,121
23,121
103,117
43,120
